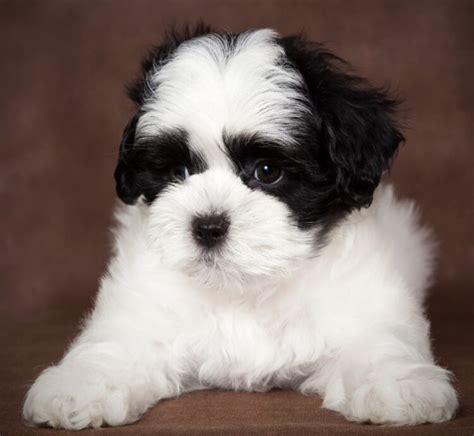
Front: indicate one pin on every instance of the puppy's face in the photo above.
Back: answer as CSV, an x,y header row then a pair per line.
x,y
248,149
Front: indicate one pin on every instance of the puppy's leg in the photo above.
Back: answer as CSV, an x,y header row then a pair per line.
x,y
108,378
387,376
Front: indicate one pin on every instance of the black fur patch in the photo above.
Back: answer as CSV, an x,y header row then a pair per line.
x,y
306,185
124,174
147,166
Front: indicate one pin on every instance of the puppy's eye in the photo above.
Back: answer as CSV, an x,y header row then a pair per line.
x,y
180,173
268,172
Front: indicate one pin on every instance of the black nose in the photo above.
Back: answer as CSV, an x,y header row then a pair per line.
x,y
210,230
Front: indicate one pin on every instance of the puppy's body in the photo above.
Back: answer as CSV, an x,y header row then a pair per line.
x,y
299,288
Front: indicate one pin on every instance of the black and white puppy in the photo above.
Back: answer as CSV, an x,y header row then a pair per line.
x,y
255,249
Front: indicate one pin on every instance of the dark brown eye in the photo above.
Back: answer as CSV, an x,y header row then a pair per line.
x,y
268,172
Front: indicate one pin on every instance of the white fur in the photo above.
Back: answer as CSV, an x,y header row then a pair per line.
x,y
345,322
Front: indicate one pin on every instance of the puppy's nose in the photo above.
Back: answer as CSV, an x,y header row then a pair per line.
x,y
210,230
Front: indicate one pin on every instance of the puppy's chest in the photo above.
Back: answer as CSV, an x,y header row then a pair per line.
x,y
239,350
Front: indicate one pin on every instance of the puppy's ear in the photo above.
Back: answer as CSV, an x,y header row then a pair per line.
x,y
126,183
354,121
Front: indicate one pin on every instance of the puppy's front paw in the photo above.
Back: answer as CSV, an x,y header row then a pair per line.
x,y
74,399
401,395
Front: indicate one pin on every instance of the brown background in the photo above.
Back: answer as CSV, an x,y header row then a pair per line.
x,y
63,107
63,65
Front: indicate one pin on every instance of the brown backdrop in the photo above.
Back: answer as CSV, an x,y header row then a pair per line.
x,y
63,65
63,106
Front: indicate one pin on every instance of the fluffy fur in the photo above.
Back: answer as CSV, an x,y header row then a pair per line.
x,y
315,282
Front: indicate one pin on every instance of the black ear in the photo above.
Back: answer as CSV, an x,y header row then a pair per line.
x,y
126,183
354,121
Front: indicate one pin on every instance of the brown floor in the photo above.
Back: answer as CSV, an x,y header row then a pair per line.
x,y
30,346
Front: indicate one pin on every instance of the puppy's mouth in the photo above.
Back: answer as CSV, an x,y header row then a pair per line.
x,y
212,257
216,258
213,270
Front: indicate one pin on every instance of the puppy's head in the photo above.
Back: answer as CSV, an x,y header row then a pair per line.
x,y
248,148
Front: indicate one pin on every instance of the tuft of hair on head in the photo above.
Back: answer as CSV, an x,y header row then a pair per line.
x,y
354,120
139,90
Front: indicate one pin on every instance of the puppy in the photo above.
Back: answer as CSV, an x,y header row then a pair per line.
x,y
255,249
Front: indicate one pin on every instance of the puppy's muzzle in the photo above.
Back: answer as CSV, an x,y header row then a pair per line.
x,y
209,231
